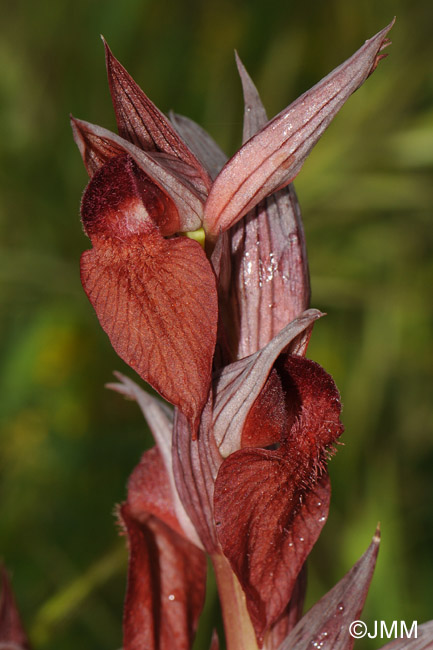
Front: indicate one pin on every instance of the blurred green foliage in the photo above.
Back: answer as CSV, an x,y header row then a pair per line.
x,y
68,445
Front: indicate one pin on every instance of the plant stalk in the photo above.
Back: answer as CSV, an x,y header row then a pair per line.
x,y
237,623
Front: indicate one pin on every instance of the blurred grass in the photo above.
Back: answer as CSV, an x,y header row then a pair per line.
x,y
67,445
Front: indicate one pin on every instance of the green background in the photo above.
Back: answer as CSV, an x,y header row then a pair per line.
x,y
67,444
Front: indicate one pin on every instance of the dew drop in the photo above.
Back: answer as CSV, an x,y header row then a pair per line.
x,y
320,640
171,597
340,607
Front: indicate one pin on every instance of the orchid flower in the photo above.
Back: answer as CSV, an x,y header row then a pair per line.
x,y
198,274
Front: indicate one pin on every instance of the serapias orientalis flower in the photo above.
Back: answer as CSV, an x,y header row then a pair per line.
x,y
198,274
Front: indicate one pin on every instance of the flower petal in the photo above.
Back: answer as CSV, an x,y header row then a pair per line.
x,y
98,145
273,157
238,385
200,142
12,635
155,298
270,279
149,491
270,505
262,534
143,124
158,414
195,466
160,420
255,116
166,586
327,622
292,613
270,285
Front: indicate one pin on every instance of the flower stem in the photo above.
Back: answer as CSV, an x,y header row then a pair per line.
x,y
237,623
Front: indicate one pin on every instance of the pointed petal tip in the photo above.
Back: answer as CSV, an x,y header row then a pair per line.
x,y
108,53
241,68
110,61
376,536
381,35
255,116
390,25
76,123
79,128
384,42
313,313
108,56
72,121
273,157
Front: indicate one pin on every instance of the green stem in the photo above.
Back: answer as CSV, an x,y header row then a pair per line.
x,y
237,623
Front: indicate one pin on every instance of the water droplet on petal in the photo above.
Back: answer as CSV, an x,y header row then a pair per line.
x,y
319,641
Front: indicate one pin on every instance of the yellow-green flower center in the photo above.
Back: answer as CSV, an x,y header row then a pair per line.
x,y
198,235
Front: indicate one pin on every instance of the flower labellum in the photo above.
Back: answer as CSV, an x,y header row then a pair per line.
x,y
150,292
